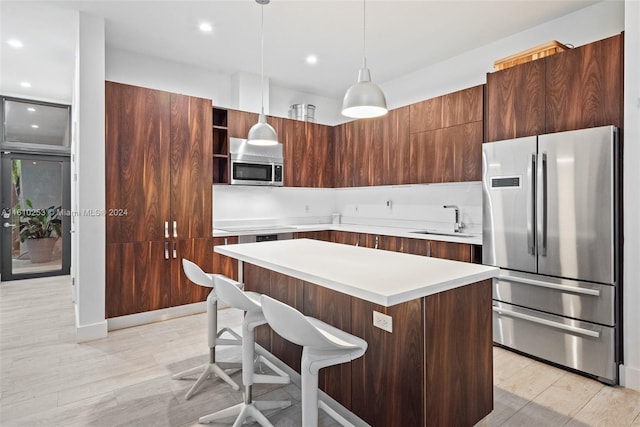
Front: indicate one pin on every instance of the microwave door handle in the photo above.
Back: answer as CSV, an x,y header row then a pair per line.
x,y
531,205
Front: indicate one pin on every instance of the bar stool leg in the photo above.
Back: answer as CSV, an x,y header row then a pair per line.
x,y
212,367
309,395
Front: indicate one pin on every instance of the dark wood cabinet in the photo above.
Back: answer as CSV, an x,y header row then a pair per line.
x,y
239,123
575,89
515,105
223,264
584,86
137,142
453,251
315,235
159,169
446,138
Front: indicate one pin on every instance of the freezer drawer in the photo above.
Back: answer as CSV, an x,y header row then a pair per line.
x,y
590,302
578,345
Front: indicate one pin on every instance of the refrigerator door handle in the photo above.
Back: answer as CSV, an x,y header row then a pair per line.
x,y
566,288
542,213
545,322
531,206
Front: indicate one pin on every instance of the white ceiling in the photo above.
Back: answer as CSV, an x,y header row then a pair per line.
x,y
402,36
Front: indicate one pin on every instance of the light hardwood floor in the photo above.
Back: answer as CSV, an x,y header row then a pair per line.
x,y
46,378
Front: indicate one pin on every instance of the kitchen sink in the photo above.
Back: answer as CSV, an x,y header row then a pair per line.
x,y
441,233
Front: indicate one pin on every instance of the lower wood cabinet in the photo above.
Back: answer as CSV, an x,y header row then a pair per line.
x,y
324,235
146,276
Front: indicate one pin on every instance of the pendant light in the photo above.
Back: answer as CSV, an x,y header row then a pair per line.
x,y
262,133
364,99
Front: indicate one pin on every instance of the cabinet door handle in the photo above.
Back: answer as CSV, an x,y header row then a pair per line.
x,y
376,245
226,240
175,228
166,250
166,229
175,252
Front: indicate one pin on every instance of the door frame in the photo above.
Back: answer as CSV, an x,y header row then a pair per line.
x,y
7,157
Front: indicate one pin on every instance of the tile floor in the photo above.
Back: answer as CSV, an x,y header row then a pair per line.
x,y
46,378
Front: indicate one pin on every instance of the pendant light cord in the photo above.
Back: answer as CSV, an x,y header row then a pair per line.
x,y
262,59
364,33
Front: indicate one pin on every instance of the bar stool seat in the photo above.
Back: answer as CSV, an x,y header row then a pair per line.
x,y
199,277
323,346
229,292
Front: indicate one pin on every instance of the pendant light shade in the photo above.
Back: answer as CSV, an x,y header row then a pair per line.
x,y
364,99
262,133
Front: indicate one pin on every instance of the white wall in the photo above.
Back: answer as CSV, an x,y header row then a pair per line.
x,y
593,23
417,206
631,276
88,188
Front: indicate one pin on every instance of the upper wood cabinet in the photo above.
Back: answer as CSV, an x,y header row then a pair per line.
x,y
137,142
446,138
515,102
585,86
575,89
239,123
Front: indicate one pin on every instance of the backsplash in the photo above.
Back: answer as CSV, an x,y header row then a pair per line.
x,y
411,206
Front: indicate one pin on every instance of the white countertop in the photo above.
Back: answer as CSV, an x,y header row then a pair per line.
x,y
352,228
382,277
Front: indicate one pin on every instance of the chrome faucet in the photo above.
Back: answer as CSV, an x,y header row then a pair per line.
x,y
458,226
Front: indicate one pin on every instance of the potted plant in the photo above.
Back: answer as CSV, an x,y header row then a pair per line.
x,y
40,228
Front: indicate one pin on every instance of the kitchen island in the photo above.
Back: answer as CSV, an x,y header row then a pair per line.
x,y
432,362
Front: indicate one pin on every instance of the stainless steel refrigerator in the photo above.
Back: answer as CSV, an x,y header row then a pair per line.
x,y
550,222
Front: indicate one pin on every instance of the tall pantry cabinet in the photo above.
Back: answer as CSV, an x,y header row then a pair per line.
x,y
159,154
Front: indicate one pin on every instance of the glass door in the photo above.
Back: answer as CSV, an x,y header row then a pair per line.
x,y
35,232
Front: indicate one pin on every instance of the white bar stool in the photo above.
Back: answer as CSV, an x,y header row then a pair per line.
x,y
229,292
199,277
323,346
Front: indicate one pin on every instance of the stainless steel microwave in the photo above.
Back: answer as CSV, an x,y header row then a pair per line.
x,y
255,165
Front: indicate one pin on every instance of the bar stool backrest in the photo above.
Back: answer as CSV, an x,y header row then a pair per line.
x,y
228,290
195,274
296,327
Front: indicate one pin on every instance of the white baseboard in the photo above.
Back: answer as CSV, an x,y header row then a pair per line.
x,y
91,332
156,315
630,377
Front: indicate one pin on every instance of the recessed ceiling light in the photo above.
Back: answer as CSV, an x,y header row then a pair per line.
x,y
31,109
25,84
15,43
35,126
312,59
205,27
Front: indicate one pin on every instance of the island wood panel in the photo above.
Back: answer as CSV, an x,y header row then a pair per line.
x,y
239,123
137,278
333,308
467,150
258,280
387,382
459,368
289,290
584,86
453,251
223,264
425,115
515,101
319,158
396,153
191,166
463,106
198,251
137,123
